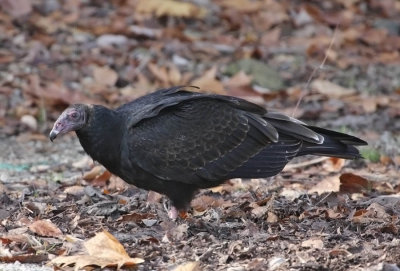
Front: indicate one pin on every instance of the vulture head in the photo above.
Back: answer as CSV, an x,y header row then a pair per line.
x,y
73,118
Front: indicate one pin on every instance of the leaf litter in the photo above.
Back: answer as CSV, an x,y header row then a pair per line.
x,y
318,214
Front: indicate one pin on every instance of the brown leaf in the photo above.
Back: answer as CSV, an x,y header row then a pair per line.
x,y
313,243
333,164
45,228
102,250
338,252
154,197
351,183
207,82
135,217
55,93
159,72
238,80
16,8
93,173
76,190
188,266
170,8
245,6
329,184
102,179
25,258
374,213
332,214
174,75
204,202
330,89
105,76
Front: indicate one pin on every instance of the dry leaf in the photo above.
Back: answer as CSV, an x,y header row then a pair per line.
x,y
351,183
76,190
170,8
374,213
330,89
55,92
159,72
16,8
332,214
189,266
174,75
238,80
102,179
135,217
313,243
203,202
243,5
85,162
102,250
154,197
45,228
208,82
93,173
329,184
334,164
105,76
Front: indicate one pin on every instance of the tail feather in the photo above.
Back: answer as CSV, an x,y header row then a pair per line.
x,y
335,144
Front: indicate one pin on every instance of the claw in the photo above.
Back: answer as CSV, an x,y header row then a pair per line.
x,y
173,213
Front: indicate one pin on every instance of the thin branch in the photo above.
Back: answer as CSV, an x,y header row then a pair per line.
x,y
320,67
305,164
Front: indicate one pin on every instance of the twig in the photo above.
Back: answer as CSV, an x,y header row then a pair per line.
x,y
320,67
305,164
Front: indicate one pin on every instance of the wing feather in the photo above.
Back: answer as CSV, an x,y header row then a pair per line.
x,y
196,142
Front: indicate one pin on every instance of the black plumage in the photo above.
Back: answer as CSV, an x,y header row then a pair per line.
x,y
175,142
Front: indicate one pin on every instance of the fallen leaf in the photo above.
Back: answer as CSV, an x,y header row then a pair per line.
x,y
262,74
102,250
174,75
272,218
55,92
105,75
332,214
170,8
338,252
242,5
25,258
374,36
207,82
328,184
333,164
16,8
45,228
159,72
330,89
374,213
93,173
351,183
175,233
204,202
135,217
85,162
238,80
76,190
313,243
188,266
154,197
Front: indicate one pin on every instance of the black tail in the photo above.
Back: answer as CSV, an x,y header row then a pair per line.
x,y
335,144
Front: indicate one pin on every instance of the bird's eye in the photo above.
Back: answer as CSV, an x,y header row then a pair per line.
x,y
74,115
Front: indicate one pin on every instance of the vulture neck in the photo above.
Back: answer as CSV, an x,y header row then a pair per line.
x,y
101,136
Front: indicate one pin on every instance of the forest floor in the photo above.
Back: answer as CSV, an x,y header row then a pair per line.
x,y
318,214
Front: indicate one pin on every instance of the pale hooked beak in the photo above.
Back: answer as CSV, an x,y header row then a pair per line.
x,y
53,134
